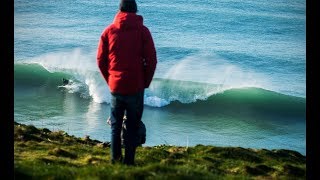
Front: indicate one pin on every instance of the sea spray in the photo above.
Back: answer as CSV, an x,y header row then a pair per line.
x,y
213,69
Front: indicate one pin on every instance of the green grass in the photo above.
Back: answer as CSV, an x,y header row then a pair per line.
x,y
42,154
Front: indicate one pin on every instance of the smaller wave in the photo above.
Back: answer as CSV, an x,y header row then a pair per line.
x,y
246,102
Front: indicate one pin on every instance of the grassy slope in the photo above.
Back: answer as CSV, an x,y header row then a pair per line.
x,y
42,154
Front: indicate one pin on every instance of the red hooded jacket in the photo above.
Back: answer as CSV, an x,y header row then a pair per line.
x,y
126,54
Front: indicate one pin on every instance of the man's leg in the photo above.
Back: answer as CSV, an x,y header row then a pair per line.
x,y
116,118
134,115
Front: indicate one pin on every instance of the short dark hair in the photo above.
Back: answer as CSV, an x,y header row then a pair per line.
x,y
128,6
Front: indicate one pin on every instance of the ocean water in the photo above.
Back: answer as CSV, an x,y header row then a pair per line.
x,y
229,73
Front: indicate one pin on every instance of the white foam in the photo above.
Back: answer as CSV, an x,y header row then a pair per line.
x,y
72,86
155,101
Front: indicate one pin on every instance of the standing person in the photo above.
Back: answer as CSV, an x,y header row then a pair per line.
x,y
126,57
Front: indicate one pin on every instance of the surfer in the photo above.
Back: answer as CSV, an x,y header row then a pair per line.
x,y
65,81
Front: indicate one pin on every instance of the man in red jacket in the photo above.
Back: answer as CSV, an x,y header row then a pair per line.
x,y
127,60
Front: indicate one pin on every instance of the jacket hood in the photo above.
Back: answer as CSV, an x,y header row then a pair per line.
x,y
125,20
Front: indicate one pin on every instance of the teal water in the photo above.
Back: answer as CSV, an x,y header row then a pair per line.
x,y
230,73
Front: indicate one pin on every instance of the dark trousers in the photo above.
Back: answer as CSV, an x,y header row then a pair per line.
x,y
133,106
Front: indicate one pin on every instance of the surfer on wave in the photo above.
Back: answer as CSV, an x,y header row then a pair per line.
x,y
65,81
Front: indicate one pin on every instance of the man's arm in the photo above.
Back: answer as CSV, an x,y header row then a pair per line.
x,y
150,57
102,56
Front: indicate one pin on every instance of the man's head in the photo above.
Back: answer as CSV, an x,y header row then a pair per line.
x,y
128,6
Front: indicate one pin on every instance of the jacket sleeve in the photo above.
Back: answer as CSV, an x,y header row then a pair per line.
x,y
150,57
102,56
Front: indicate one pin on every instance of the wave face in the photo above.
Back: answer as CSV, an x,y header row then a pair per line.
x,y
248,102
173,95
